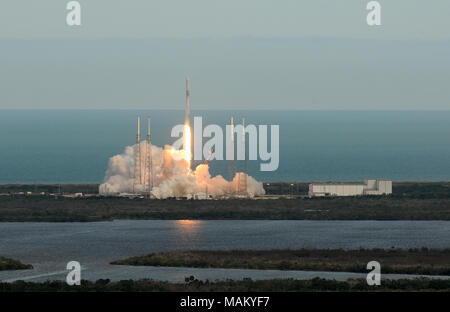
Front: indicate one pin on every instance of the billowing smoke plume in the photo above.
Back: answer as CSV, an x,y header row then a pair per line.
x,y
172,176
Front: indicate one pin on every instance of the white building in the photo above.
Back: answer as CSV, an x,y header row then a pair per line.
x,y
369,187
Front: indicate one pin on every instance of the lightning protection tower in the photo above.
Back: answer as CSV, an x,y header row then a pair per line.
x,y
242,181
149,162
137,166
231,164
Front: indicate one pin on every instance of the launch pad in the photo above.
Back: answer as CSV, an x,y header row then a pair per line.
x,y
168,173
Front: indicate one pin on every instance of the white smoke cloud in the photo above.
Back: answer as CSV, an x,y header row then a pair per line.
x,y
172,176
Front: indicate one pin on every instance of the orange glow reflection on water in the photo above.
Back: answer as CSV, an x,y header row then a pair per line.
x,y
187,225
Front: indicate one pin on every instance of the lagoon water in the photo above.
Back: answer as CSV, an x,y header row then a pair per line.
x,y
50,246
50,146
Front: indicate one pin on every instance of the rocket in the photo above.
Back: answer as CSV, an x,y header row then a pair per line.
x,y
138,137
148,130
188,104
187,126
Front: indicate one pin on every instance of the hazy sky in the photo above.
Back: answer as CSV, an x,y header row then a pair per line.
x,y
401,19
253,54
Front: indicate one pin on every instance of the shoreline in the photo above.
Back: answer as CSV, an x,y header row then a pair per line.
x,y
415,261
247,285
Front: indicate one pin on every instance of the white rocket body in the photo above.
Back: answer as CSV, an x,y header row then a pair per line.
x,y
188,101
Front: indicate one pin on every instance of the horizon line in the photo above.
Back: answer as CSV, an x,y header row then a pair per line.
x,y
230,109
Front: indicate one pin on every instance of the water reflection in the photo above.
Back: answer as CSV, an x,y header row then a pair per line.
x,y
188,226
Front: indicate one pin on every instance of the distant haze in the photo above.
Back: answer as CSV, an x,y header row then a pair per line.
x,y
225,74
401,19
255,54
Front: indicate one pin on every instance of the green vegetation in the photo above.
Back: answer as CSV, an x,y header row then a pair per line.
x,y
11,264
246,285
36,208
402,261
421,190
410,201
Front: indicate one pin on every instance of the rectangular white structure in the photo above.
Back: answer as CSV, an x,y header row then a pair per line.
x,y
368,187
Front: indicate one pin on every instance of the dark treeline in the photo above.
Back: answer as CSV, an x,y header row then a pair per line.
x,y
41,208
11,264
246,285
422,261
421,190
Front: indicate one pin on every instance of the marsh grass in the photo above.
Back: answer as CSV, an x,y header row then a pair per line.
x,y
400,261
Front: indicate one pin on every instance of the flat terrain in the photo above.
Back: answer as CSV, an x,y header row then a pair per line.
x,y
400,261
247,285
410,201
35,208
11,264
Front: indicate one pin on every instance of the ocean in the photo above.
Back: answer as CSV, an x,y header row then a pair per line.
x,y
73,146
